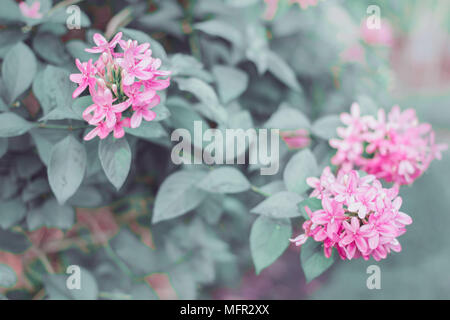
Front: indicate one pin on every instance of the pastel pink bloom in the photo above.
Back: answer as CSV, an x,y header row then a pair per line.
x,y
382,36
133,69
354,53
118,129
103,45
396,147
271,9
137,50
103,108
85,78
354,238
30,11
296,139
143,112
137,96
101,130
359,217
123,86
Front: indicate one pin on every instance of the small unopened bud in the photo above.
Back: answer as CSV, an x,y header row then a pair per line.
x,y
105,57
114,89
101,83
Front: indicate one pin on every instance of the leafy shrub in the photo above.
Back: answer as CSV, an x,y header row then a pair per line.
x,y
117,205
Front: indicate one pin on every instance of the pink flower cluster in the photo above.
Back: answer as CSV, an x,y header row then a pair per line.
x,y
396,148
123,85
31,11
359,217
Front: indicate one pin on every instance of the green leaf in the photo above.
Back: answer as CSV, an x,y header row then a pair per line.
x,y
188,66
140,258
66,168
11,212
257,47
268,240
280,205
162,112
12,125
14,242
50,48
10,11
177,195
86,197
56,287
76,49
115,157
313,260
281,70
231,82
44,140
206,95
301,166
325,127
58,89
287,118
51,215
8,38
8,277
3,146
148,130
221,29
312,203
18,70
224,180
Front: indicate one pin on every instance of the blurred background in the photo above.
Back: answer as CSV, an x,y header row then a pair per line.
x,y
414,50
337,61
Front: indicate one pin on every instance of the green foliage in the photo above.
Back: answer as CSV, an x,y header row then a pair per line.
x,y
115,157
178,194
98,204
313,260
66,168
18,70
268,240
224,180
301,166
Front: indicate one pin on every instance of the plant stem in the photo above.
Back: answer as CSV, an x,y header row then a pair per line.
x,y
259,191
60,126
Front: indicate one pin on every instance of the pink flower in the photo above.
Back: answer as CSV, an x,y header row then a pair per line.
x,y
359,217
118,129
354,238
103,108
30,11
377,36
354,53
85,78
103,45
133,69
397,149
142,111
120,84
271,9
101,130
296,139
